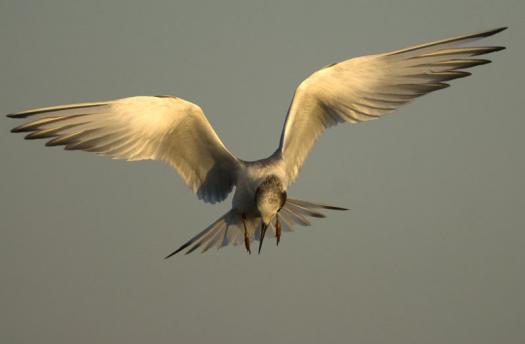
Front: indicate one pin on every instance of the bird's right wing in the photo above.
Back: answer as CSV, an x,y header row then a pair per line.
x,y
365,88
141,128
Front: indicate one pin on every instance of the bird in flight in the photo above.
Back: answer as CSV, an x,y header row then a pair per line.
x,y
176,131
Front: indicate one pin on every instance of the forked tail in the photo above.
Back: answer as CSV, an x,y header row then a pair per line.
x,y
229,228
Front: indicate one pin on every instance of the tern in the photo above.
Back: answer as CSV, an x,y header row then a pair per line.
x,y
176,131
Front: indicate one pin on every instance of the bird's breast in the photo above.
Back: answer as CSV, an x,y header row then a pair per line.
x,y
249,178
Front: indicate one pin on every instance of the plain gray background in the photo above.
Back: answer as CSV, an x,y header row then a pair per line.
x,y
431,252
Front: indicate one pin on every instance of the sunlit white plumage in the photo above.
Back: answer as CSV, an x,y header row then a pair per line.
x,y
176,131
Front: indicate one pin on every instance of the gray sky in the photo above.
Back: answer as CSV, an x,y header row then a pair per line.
x,y
431,252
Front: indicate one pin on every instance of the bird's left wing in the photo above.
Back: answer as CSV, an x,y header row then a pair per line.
x,y
364,88
141,128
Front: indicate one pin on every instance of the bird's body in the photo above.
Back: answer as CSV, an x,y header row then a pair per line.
x,y
251,174
177,132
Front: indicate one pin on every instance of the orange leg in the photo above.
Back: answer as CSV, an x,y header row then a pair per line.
x,y
277,229
246,237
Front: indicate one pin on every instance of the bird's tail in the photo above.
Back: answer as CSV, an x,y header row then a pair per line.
x,y
230,229
224,230
295,211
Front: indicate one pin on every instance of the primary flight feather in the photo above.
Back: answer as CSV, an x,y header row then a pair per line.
x,y
177,132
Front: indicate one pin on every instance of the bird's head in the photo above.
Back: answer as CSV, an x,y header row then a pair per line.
x,y
270,196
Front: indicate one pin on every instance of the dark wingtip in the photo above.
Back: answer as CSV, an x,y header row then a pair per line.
x,y
170,255
175,252
493,32
331,207
440,86
12,115
498,48
482,62
52,143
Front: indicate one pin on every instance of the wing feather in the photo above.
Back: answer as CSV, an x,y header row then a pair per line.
x,y
365,88
141,128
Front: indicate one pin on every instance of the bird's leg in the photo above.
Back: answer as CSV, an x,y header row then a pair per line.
x,y
277,229
246,237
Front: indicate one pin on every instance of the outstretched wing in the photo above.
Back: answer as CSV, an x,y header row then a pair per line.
x,y
142,128
364,88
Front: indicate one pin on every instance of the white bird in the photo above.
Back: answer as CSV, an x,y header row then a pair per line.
x,y
176,131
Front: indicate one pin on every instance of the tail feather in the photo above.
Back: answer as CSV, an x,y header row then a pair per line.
x,y
294,216
229,229
210,234
305,211
313,205
286,223
295,211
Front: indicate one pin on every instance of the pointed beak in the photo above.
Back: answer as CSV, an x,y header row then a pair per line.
x,y
264,226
